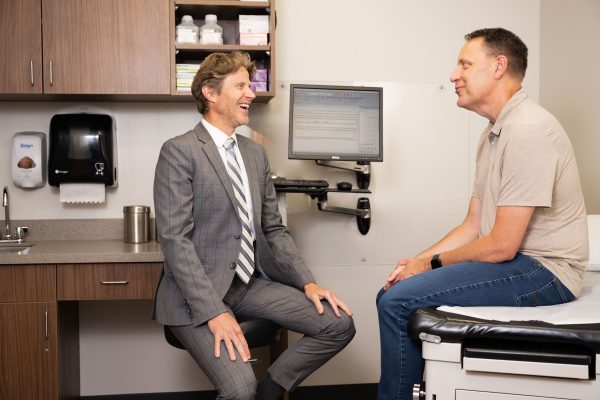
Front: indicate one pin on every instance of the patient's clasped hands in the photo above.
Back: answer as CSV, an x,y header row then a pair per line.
x,y
406,268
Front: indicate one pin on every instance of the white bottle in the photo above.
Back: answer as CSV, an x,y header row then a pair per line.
x,y
187,31
210,32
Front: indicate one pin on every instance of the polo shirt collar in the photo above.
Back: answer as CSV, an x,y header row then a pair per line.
x,y
510,105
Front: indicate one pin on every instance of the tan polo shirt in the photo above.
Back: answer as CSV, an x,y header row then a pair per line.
x,y
526,159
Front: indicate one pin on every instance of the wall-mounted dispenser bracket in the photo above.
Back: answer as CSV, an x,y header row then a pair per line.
x,y
362,210
362,169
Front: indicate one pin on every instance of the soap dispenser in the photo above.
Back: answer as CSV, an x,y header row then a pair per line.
x,y
28,161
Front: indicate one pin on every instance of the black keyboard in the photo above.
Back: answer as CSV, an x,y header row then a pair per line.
x,y
284,183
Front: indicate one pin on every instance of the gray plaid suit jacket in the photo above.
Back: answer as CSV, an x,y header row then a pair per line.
x,y
199,228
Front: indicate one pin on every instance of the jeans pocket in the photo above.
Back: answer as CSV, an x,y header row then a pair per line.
x,y
552,293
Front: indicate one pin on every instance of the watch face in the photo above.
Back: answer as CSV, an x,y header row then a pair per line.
x,y
435,262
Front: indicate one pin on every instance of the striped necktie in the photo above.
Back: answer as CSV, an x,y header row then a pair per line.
x,y
245,264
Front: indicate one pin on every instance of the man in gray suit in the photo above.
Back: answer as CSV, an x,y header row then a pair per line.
x,y
227,253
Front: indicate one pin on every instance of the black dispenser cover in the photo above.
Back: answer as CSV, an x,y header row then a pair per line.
x,y
81,149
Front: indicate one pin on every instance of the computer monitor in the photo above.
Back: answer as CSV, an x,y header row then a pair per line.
x,y
342,123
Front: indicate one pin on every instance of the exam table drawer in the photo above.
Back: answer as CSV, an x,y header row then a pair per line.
x,y
107,281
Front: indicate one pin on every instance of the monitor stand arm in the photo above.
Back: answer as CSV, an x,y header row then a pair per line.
x,y
362,211
362,169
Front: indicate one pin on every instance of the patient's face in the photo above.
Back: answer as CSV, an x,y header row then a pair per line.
x,y
473,77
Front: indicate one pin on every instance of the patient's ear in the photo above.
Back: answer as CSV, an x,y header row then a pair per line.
x,y
501,66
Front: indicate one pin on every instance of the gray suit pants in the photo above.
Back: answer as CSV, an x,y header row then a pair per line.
x,y
324,336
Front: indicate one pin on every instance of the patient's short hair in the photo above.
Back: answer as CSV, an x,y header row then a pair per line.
x,y
501,41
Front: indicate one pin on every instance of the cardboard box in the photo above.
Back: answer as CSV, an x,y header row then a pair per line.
x,y
254,23
254,39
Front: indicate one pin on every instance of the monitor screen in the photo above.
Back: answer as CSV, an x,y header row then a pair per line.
x,y
336,123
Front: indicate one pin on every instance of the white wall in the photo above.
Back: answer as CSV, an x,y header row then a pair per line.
x,y
419,192
570,54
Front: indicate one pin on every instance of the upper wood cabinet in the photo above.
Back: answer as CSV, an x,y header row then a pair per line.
x,y
21,46
116,47
106,46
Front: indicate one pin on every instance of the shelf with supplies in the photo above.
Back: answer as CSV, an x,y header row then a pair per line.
x,y
228,12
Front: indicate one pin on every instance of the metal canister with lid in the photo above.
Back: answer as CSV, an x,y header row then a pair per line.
x,y
135,224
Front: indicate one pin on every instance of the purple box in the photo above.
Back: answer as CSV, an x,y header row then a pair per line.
x,y
259,86
261,75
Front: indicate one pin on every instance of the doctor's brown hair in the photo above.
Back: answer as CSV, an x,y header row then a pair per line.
x,y
213,71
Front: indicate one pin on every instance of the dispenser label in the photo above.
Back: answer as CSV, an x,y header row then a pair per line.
x,y
99,168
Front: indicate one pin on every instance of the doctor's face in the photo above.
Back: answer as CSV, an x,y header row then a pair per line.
x,y
473,77
230,107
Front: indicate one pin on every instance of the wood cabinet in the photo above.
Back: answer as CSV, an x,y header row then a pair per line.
x,y
116,47
21,46
106,47
28,333
39,321
227,12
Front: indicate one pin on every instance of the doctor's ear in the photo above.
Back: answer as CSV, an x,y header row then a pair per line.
x,y
209,93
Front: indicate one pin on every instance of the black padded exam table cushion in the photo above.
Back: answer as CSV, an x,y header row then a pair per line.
x,y
456,328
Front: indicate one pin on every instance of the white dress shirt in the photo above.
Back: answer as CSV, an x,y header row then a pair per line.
x,y
219,137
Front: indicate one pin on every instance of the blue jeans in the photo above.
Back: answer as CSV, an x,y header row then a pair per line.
x,y
521,282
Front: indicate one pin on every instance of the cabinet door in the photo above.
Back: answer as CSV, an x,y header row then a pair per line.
x,y
21,46
106,46
28,351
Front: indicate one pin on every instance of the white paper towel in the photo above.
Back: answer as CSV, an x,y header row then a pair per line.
x,y
82,192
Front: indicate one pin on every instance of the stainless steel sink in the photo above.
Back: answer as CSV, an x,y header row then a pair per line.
x,y
13,246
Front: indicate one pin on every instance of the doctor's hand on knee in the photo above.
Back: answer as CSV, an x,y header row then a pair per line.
x,y
316,293
406,268
225,328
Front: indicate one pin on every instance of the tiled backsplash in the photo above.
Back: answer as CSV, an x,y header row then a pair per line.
x,y
76,229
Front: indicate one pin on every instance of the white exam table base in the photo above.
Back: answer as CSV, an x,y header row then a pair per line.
x,y
446,379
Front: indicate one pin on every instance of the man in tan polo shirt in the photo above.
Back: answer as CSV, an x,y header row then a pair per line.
x,y
524,240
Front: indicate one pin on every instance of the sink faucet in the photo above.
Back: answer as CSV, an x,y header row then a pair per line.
x,y
7,234
20,232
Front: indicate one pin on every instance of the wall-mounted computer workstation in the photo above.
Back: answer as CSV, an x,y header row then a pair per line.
x,y
338,127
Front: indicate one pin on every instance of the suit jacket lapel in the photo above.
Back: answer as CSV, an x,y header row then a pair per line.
x,y
212,153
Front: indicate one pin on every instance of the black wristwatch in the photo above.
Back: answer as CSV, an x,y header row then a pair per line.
x,y
436,262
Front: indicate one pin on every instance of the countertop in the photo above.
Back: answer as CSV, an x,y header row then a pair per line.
x,y
84,251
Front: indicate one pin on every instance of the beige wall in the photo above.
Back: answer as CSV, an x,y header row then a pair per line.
x,y
570,84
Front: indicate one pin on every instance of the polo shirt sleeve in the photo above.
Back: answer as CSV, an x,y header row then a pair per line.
x,y
529,168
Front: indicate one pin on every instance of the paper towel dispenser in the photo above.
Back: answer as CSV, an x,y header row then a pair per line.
x,y
83,149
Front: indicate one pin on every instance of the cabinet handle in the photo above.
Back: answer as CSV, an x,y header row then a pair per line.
x,y
46,348
114,282
31,71
51,81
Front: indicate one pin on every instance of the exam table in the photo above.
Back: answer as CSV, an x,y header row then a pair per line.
x,y
514,353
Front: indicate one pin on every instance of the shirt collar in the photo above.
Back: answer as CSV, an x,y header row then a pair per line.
x,y
217,135
510,105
